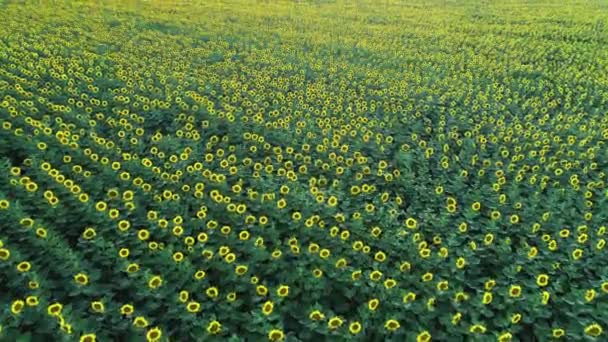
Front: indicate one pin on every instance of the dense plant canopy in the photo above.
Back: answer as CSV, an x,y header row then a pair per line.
x,y
303,170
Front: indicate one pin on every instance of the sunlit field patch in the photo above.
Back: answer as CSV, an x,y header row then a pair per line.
x,y
303,171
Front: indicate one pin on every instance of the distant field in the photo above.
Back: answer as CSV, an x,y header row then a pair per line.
x,y
303,171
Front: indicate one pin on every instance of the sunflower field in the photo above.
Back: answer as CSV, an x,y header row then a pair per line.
x,y
306,170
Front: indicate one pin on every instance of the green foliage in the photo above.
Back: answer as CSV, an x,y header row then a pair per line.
x,y
303,171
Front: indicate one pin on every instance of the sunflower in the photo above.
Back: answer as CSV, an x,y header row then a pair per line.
x,y
460,263
283,291
143,234
423,336
505,337
154,334
54,309
123,253
316,315
89,233
101,206
443,285
212,292
594,330
542,280
214,327
392,325
487,298
380,256
127,309
178,257
375,275
409,297
324,253
334,323
276,335
477,329
97,306
124,225
24,266
515,291
17,306
456,318
590,295
81,279
140,322
241,269
354,328
516,318
267,307
88,338
193,307
373,304
5,254
31,301
155,282
558,332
